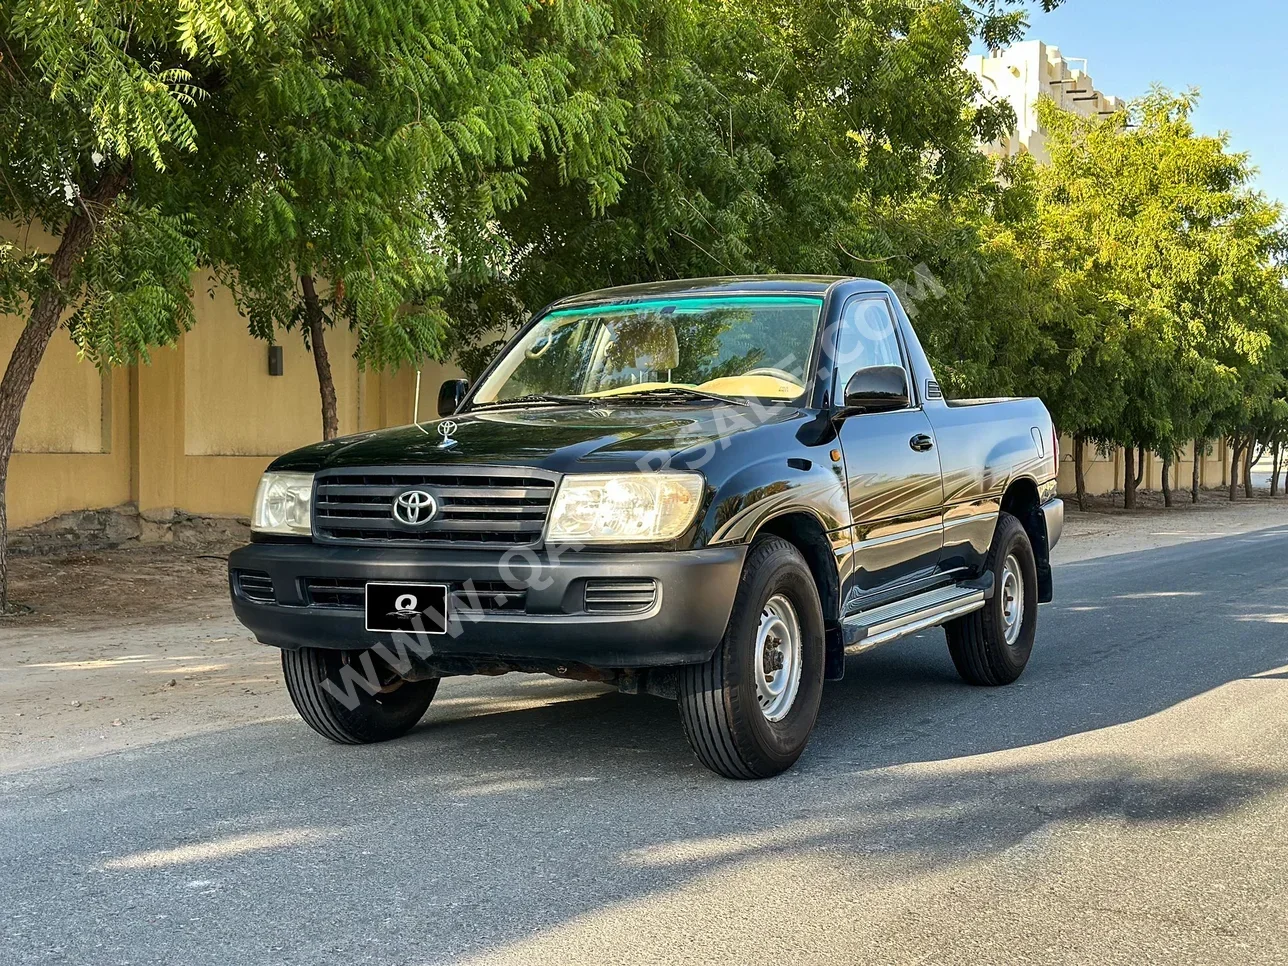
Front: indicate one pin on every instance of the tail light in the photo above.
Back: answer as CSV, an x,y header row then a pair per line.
x,y
1055,448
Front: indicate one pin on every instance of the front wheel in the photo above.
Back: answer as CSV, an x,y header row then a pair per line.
x,y
330,689
992,645
749,710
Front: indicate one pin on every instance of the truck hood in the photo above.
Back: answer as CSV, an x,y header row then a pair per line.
x,y
558,438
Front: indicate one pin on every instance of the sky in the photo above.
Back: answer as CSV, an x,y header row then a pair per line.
x,y
1234,52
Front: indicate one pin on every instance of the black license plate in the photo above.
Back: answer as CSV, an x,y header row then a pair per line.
x,y
413,608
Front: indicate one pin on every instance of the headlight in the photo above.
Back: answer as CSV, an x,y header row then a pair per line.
x,y
624,508
282,504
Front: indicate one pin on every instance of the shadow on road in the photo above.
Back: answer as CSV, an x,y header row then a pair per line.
x,y
1128,637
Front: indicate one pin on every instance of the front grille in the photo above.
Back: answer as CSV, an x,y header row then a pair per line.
x,y
620,595
255,585
479,596
482,506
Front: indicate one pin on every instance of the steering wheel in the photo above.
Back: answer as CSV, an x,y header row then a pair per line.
x,y
782,374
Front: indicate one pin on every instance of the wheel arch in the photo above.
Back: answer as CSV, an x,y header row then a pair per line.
x,y
1021,501
805,531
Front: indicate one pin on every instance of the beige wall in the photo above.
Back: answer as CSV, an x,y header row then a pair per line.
x,y
68,401
45,483
259,414
1104,473
70,452
193,430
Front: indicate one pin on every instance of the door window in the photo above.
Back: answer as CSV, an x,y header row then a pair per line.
x,y
866,338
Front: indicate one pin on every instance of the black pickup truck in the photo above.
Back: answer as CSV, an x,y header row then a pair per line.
x,y
709,490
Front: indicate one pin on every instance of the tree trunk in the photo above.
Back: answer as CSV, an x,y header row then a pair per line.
x,y
317,341
1234,470
1129,478
1275,457
1079,477
1252,441
1167,485
1200,448
1248,460
42,323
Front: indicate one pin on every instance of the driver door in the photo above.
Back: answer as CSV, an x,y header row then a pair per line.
x,y
892,472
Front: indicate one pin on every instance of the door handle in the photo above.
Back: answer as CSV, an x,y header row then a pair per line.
x,y
922,443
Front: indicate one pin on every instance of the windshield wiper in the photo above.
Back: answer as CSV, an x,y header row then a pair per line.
x,y
536,397
684,392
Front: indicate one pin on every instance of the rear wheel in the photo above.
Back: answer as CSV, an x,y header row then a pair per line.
x,y
992,645
749,710
345,712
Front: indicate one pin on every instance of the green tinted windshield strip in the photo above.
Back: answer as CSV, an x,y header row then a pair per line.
x,y
691,304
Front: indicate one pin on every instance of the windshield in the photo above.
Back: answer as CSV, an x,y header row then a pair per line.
x,y
733,346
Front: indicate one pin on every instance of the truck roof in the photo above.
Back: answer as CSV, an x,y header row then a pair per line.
x,y
731,285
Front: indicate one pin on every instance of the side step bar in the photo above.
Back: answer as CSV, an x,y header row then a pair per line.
x,y
867,629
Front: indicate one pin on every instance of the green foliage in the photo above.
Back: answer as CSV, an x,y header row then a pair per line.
x,y
355,140
22,270
1135,283
1175,265
106,92
137,289
386,134
807,136
1001,23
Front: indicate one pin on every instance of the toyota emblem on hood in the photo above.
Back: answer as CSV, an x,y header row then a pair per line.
x,y
446,429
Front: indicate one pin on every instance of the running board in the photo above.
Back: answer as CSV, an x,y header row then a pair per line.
x,y
867,629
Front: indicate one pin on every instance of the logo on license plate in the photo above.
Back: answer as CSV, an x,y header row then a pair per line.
x,y
410,608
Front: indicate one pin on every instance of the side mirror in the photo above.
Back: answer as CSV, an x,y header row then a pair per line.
x,y
875,389
451,394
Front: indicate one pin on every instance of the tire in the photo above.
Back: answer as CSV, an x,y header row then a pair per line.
x,y
979,642
389,713
735,728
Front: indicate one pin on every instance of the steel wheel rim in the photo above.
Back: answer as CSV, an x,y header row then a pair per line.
x,y
1012,592
778,651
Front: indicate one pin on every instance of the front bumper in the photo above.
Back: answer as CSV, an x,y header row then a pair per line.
x,y
695,591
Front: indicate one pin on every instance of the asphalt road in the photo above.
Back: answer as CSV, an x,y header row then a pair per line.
x,y
1126,801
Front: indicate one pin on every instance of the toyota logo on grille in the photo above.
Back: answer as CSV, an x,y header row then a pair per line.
x,y
415,508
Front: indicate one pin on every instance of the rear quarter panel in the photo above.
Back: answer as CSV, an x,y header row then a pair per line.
x,y
985,445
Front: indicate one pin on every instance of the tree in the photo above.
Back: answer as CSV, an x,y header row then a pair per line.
x,y
1019,315
394,127
1172,257
96,106
796,137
